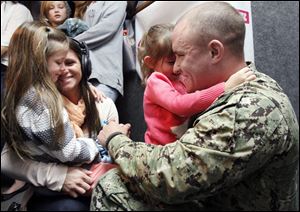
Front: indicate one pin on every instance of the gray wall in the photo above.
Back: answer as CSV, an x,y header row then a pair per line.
x,y
276,44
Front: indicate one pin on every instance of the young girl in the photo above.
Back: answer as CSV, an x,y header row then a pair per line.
x,y
54,13
57,14
34,121
167,106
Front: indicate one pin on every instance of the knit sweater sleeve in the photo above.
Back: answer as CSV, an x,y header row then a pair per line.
x,y
162,92
39,132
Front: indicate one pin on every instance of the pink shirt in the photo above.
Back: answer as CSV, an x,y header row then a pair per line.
x,y
167,107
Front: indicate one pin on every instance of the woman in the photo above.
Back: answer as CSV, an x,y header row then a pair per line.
x,y
57,176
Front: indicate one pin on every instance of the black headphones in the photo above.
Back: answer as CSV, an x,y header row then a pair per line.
x,y
86,66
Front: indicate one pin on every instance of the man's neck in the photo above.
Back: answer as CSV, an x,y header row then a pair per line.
x,y
232,66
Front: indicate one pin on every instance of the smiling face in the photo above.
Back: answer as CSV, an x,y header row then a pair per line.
x,y
57,13
69,80
192,60
55,64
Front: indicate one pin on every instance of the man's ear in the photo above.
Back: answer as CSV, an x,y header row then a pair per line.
x,y
149,62
216,49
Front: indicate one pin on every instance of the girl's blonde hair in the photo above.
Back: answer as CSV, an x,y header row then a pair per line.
x,y
80,8
155,43
44,11
30,46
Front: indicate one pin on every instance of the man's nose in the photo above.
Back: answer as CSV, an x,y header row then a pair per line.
x,y
176,69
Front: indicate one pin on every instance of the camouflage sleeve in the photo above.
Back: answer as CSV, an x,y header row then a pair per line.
x,y
226,144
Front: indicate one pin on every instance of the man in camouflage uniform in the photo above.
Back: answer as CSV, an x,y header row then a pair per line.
x,y
240,154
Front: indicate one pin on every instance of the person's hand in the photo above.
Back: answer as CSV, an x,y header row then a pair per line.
x,y
98,170
243,75
78,181
110,128
99,96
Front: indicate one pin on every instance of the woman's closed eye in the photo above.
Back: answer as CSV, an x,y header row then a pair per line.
x,y
69,62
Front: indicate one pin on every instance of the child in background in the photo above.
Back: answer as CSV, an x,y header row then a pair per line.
x,y
57,14
54,13
167,106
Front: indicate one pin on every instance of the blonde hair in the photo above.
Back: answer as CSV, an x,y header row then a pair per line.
x,y
80,8
30,46
44,11
155,43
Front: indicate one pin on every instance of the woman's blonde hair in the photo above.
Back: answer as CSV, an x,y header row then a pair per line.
x,y
80,8
44,11
30,47
155,43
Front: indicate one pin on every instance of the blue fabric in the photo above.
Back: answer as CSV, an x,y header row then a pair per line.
x,y
105,157
73,27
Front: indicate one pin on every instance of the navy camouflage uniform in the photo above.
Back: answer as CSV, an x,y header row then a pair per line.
x,y
242,153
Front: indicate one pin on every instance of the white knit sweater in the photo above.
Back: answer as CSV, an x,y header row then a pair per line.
x,y
33,117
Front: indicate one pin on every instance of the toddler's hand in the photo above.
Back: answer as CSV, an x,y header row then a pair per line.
x,y
243,75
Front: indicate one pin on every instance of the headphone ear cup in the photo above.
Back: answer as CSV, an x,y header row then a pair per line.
x,y
83,68
86,66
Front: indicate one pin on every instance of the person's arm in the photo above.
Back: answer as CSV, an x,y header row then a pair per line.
x,y
56,177
20,15
51,175
109,21
161,92
35,121
221,149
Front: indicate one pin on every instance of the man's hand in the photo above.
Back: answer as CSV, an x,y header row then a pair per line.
x,y
111,128
78,181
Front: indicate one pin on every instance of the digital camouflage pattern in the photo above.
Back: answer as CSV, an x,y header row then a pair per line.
x,y
241,154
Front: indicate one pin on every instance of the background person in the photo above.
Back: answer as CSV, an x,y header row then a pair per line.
x,y
104,38
57,14
54,13
13,14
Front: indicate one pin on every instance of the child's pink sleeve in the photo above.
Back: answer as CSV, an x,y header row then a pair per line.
x,y
164,94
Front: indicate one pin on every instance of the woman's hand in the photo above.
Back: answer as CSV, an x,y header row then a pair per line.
x,y
78,181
